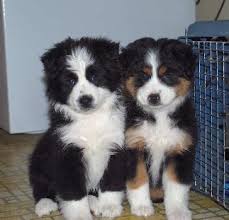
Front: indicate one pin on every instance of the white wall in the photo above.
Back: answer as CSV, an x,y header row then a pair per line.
x,y
32,26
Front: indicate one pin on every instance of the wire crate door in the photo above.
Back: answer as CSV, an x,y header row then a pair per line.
x,y
211,97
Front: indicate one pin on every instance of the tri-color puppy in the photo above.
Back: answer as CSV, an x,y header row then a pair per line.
x,y
161,128
83,148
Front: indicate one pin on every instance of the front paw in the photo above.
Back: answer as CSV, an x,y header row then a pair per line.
x,y
111,210
79,215
45,206
180,215
76,210
94,205
142,210
110,204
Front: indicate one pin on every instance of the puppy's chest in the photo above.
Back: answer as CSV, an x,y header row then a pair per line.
x,y
95,131
161,135
97,135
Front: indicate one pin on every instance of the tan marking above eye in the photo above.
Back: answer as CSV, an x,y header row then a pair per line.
x,y
147,70
171,172
162,70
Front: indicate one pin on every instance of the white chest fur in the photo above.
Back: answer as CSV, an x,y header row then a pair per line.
x,y
96,133
160,137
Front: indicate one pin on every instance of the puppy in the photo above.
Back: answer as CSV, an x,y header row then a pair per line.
x,y
82,150
161,127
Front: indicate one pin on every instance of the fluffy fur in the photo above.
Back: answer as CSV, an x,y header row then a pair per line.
x,y
83,148
160,120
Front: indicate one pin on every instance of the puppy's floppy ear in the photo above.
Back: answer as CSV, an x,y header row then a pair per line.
x,y
185,53
126,58
54,59
177,53
135,52
109,48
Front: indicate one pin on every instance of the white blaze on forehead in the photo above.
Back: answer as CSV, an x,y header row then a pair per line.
x,y
152,60
77,63
79,60
154,84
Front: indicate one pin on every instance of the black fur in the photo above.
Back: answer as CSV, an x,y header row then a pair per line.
x,y
180,62
59,169
135,113
56,171
104,52
184,118
114,178
175,55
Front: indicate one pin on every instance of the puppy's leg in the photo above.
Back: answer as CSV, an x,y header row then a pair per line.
x,y
112,187
157,194
138,192
76,209
43,193
109,204
176,199
177,178
44,197
71,185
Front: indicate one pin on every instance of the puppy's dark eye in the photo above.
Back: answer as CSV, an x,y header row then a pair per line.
x,y
92,76
72,82
142,78
170,79
145,76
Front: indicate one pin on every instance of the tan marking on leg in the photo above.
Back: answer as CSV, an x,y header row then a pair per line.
x,y
178,150
171,172
130,87
156,194
133,139
141,176
183,87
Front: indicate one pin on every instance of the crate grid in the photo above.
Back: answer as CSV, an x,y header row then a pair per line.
x,y
211,97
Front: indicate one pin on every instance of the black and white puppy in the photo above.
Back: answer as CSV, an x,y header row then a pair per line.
x,y
161,126
83,148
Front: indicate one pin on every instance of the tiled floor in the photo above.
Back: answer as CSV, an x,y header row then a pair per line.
x,y
15,194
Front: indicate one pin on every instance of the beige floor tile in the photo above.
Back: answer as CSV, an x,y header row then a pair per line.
x,y
16,201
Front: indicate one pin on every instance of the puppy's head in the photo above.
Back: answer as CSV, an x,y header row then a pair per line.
x,y
157,72
82,73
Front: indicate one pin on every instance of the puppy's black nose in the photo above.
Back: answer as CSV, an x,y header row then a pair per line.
x,y
86,101
154,99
